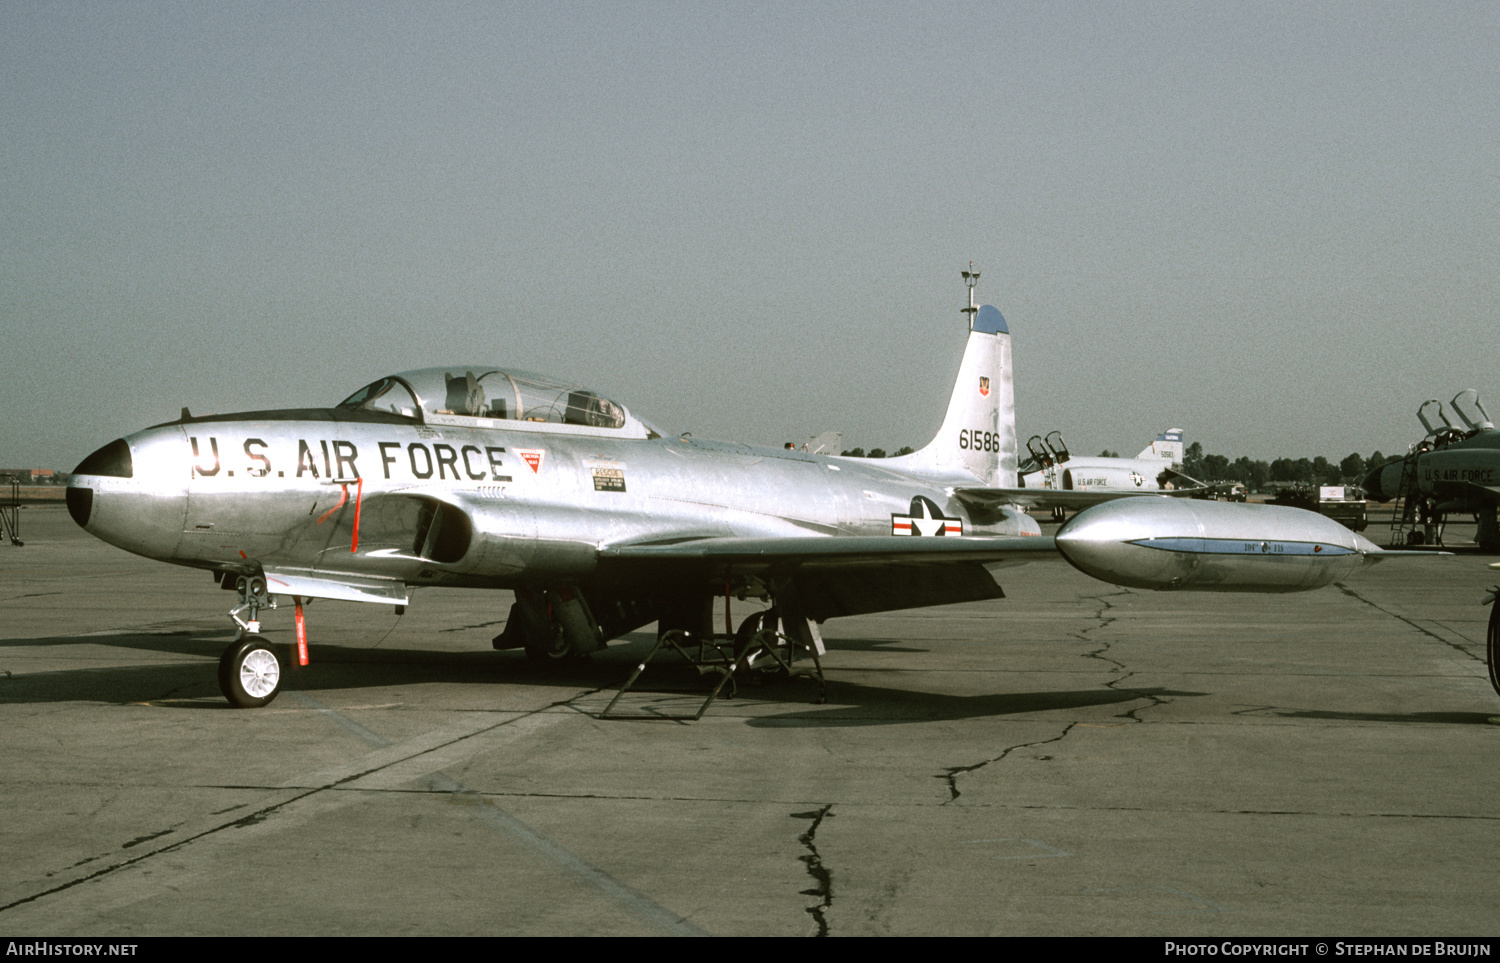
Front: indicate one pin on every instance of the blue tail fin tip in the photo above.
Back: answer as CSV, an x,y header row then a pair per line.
x,y
988,320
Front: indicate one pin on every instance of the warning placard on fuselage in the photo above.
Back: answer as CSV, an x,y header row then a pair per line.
x,y
609,479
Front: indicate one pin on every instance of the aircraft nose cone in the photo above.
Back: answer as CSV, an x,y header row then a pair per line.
x,y
132,492
111,461
1381,482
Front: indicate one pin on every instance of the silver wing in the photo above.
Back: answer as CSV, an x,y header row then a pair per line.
x,y
839,576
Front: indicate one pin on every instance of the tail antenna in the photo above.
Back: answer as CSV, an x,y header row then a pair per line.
x,y
971,278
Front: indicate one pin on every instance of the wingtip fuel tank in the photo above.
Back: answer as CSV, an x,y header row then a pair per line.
x,y
1171,543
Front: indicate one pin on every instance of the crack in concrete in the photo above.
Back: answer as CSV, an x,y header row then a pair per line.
x,y
254,817
481,625
1105,621
1116,684
823,879
952,773
147,838
1385,611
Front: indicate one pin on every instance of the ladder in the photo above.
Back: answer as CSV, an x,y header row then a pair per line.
x,y
10,514
1403,509
1404,521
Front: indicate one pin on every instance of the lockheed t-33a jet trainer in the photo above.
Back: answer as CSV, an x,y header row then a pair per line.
x,y
485,477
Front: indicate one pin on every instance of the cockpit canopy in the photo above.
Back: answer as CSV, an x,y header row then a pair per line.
x,y
485,396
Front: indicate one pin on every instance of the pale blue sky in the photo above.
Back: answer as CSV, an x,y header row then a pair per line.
x,y
1271,224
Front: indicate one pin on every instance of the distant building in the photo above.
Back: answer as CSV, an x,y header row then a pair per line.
x,y
34,476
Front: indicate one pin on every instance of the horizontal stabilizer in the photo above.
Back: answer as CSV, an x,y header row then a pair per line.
x,y
1177,476
339,586
828,443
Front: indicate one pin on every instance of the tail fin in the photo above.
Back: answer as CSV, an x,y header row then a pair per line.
x,y
1168,445
978,437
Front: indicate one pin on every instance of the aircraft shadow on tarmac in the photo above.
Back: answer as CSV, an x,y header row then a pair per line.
x,y
874,645
194,684
1423,718
865,705
332,667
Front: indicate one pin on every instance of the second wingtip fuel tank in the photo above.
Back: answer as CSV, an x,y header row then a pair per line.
x,y
1167,543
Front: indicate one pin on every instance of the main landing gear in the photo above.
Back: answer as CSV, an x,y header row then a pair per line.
x,y
766,647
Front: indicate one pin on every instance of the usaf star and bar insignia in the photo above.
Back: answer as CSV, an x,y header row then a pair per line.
x,y
925,518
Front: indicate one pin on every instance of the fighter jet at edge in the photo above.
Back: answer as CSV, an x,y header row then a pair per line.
x,y
1450,471
478,476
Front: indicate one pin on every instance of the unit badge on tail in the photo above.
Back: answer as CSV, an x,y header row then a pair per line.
x,y
984,386
925,518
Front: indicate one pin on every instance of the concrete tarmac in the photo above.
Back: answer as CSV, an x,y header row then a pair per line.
x,y
1074,759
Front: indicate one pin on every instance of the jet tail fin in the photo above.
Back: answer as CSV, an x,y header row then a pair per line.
x,y
978,436
1168,445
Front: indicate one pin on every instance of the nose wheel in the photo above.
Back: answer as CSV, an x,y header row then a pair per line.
x,y
249,673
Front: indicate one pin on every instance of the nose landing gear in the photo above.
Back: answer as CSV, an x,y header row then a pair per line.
x,y
250,671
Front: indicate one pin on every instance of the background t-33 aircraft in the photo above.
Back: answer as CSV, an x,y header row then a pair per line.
x,y
486,477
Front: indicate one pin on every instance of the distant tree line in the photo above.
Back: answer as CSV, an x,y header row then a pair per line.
x,y
1254,474
1282,471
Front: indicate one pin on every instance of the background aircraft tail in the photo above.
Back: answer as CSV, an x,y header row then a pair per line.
x,y
978,437
1168,445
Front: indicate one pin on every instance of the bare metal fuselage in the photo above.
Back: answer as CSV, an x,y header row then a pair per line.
x,y
539,503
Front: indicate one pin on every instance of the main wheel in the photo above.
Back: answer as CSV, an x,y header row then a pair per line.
x,y
249,673
746,632
757,634
555,649
1493,647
